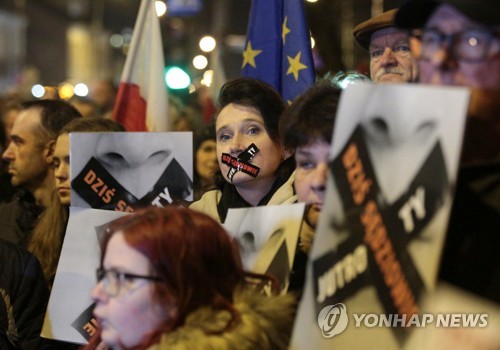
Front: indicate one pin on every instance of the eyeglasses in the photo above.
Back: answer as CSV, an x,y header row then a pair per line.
x,y
402,50
471,45
113,281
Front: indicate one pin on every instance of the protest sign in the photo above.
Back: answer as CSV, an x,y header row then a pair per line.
x,y
69,313
127,171
393,164
267,237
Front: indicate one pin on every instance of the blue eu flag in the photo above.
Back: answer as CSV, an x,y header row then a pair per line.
x,y
278,47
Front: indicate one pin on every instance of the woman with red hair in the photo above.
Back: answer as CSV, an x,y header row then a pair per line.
x,y
172,278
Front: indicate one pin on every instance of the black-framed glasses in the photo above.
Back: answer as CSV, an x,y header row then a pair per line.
x,y
113,281
470,45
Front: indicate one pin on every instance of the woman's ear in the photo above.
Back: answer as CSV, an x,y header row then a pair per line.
x,y
168,310
287,153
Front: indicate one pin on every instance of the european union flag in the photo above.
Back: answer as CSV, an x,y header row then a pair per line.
x,y
278,47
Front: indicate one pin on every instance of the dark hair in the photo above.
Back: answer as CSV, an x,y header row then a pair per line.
x,y
206,132
311,116
91,124
78,102
257,94
54,115
9,105
191,252
201,135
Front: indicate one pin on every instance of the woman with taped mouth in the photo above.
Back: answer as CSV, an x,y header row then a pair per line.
x,y
255,167
172,278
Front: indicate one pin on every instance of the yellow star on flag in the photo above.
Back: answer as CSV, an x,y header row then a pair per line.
x,y
295,66
249,56
285,30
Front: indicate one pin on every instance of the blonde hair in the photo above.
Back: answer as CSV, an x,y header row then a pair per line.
x,y
48,235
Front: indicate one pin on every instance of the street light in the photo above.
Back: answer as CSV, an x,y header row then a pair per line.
x,y
161,7
207,44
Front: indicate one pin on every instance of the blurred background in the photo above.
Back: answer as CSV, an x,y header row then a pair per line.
x,y
58,44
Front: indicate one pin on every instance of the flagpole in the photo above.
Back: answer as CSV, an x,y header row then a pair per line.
x,y
136,35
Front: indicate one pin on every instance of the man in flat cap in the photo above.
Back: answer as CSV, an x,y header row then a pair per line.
x,y
389,48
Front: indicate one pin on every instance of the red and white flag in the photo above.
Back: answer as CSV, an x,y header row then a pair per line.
x,y
142,100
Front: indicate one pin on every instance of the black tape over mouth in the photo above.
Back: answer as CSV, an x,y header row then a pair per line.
x,y
241,162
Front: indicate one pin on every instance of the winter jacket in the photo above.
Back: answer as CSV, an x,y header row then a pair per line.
x,y
23,299
470,257
265,324
209,202
18,218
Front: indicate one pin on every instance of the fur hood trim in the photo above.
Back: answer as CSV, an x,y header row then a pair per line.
x,y
266,324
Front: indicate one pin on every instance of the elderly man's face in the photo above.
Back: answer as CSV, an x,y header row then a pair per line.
x,y
390,58
441,64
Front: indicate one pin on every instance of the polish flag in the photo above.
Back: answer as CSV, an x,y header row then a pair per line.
x,y
142,100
